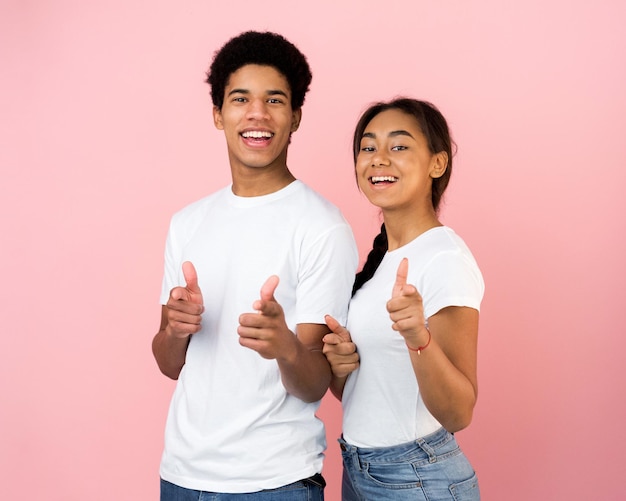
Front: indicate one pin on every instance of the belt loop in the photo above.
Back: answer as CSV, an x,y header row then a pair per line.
x,y
356,458
432,456
352,452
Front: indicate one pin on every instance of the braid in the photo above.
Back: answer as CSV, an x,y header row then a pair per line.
x,y
374,259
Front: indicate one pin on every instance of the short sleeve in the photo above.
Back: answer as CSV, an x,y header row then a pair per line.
x,y
171,273
452,278
326,276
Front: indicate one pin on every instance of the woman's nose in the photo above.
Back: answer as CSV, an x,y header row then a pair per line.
x,y
380,159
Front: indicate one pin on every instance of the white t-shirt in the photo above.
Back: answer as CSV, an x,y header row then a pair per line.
x,y
232,427
381,401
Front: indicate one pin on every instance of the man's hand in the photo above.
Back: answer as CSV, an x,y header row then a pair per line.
x,y
185,305
266,331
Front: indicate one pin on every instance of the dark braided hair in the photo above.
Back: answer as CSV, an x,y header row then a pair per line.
x,y
435,129
374,258
265,49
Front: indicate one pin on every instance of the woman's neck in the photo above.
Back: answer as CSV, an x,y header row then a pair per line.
x,y
403,227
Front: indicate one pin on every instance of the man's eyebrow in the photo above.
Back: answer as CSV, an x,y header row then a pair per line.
x,y
238,91
277,92
271,92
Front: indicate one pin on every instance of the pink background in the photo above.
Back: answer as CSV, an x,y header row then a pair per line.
x,y
106,131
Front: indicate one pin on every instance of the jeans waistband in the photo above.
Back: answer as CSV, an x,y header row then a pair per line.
x,y
423,448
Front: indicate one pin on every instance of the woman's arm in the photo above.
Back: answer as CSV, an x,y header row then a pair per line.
x,y
443,355
341,354
446,369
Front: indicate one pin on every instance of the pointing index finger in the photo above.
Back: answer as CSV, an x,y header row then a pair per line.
x,y
191,277
268,288
191,283
401,276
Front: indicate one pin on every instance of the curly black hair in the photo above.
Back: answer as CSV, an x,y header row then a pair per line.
x,y
266,49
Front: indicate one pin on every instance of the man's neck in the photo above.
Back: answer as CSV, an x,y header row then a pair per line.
x,y
258,182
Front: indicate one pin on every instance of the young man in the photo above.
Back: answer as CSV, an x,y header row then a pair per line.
x,y
250,272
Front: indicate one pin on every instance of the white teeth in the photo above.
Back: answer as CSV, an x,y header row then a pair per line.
x,y
380,179
256,134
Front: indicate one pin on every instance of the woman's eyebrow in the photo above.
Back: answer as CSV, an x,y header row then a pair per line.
x,y
393,133
401,132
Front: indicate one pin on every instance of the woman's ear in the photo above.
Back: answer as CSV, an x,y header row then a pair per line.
x,y
440,164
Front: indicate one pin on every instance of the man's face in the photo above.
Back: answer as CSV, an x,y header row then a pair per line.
x,y
257,118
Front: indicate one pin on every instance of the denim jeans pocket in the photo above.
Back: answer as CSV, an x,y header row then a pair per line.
x,y
467,490
392,475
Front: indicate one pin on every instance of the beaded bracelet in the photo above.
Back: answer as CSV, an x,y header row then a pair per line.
x,y
419,350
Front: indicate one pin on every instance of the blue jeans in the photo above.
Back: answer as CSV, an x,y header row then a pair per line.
x,y
432,468
309,489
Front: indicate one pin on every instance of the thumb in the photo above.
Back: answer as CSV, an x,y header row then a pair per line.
x,y
268,288
401,275
338,329
191,281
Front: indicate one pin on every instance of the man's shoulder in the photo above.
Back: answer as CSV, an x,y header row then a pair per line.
x,y
198,207
312,198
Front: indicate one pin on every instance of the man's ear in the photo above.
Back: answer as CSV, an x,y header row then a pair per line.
x,y
439,165
217,118
296,116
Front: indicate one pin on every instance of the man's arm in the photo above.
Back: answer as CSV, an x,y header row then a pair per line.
x,y
180,318
307,374
304,370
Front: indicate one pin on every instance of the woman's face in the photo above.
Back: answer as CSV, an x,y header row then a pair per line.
x,y
394,166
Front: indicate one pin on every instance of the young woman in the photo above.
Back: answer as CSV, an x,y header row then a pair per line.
x,y
405,365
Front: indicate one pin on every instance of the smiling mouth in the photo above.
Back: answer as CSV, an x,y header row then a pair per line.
x,y
382,179
257,134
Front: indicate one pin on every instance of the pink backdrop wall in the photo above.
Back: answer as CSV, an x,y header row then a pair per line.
x,y
106,131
